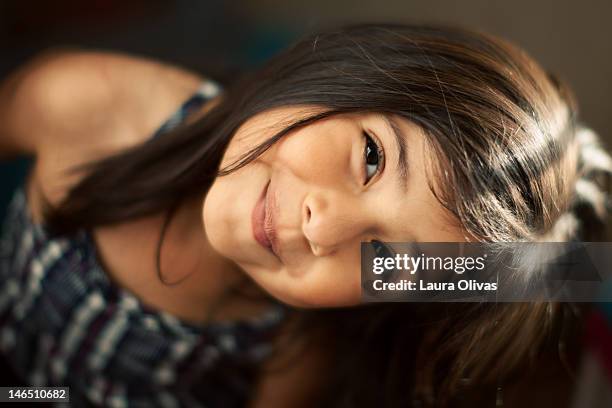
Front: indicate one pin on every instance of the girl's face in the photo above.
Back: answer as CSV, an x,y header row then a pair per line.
x,y
294,218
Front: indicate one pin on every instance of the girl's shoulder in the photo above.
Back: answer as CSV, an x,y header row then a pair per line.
x,y
80,106
124,101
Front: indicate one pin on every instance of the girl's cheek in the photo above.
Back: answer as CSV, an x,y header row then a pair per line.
x,y
314,153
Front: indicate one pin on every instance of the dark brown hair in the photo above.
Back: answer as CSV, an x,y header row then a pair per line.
x,y
509,159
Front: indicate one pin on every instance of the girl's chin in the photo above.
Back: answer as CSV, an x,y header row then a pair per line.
x,y
246,257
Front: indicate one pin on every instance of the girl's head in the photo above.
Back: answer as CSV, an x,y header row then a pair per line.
x,y
327,187
389,133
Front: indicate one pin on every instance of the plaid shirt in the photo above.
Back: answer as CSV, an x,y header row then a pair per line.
x,y
64,323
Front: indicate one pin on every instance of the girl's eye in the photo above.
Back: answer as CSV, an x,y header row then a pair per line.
x,y
373,157
381,249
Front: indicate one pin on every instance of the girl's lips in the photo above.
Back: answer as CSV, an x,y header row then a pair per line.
x,y
258,220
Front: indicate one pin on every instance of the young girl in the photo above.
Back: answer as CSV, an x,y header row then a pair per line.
x,y
212,258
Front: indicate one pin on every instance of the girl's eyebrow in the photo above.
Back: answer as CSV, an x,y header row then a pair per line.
x,y
400,141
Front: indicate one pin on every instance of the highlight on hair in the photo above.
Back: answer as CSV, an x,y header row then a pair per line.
x,y
509,160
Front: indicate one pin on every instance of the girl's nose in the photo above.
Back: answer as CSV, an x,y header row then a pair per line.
x,y
330,220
